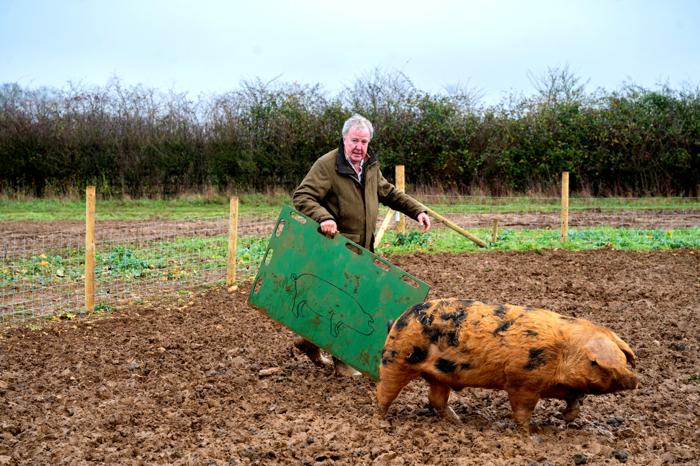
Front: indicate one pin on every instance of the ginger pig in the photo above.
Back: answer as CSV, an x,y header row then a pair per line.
x,y
530,353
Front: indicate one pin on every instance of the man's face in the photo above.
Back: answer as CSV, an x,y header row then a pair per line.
x,y
356,143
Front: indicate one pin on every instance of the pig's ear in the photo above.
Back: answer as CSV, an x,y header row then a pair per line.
x,y
629,354
604,352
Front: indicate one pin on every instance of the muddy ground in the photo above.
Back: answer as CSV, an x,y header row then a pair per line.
x,y
180,381
27,237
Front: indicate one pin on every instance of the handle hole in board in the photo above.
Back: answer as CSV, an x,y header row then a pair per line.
x,y
410,281
353,248
268,256
296,216
280,227
382,265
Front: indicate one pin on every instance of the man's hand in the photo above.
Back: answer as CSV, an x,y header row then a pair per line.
x,y
329,227
424,221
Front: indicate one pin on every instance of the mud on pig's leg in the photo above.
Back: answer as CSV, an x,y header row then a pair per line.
x,y
522,405
573,407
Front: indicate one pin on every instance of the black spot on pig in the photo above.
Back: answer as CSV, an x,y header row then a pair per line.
x,y
425,320
417,355
499,311
402,322
435,335
535,359
445,365
467,302
419,308
388,356
423,317
505,325
452,339
456,317
443,303
530,333
465,365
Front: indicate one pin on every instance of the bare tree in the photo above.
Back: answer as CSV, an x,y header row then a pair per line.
x,y
466,98
558,85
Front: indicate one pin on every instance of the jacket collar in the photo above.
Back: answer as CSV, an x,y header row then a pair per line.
x,y
343,166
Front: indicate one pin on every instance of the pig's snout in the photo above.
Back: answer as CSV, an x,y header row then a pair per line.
x,y
629,382
624,380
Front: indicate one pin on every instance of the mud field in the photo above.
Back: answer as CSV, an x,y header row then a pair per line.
x,y
19,237
209,380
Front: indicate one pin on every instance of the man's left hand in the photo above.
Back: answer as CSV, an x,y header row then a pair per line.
x,y
424,221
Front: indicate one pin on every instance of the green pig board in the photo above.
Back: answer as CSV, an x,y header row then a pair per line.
x,y
332,291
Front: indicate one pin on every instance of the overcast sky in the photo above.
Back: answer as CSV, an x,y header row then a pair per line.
x,y
209,46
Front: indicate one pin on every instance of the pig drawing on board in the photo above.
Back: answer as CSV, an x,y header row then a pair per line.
x,y
530,353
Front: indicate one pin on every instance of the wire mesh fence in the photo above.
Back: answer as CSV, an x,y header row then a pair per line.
x,y
137,262
42,276
42,273
584,212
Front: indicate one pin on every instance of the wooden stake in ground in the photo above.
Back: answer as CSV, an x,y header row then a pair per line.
x,y
89,249
401,186
232,243
494,230
564,206
457,228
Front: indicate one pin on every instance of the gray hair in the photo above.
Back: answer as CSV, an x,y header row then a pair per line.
x,y
358,120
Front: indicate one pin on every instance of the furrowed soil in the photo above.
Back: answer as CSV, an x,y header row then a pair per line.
x,y
207,379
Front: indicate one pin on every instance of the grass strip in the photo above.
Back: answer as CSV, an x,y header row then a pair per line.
x,y
190,208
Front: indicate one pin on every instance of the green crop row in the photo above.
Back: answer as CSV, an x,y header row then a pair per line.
x,y
184,257
169,260
445,240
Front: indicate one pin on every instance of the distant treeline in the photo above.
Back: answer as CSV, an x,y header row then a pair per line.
x,y
140,142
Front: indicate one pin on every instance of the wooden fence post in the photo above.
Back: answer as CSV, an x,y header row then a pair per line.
x,y
564,206
494,230
232,243
401,186
89,249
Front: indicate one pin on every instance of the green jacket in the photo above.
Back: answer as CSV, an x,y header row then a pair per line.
x,y
331,190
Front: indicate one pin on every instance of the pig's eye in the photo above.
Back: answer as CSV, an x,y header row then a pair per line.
x,y
594,363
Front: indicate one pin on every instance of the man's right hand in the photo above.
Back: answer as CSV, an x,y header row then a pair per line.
x,y
329,228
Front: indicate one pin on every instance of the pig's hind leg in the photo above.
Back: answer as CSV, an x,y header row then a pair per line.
x,y
438,395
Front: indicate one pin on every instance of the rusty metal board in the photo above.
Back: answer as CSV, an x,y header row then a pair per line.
x,y
332,291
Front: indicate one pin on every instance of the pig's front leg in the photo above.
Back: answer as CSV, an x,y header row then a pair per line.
x,y
573,407
522,404
438,396
392,379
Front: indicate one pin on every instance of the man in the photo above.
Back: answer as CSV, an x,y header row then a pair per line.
x,y
342,192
